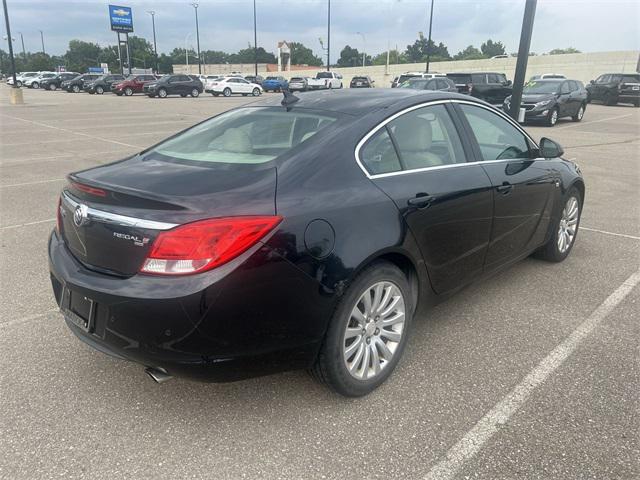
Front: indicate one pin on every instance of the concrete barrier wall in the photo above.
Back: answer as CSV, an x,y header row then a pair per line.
x,y
578,66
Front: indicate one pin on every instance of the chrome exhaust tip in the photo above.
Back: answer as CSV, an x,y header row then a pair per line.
x,y
158,375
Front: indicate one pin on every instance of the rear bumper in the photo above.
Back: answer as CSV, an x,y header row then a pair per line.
x,y
254,316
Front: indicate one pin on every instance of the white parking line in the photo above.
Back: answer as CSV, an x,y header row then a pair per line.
x,y
28,224
471,443
624,235
71,131
37,182
573,125
27,318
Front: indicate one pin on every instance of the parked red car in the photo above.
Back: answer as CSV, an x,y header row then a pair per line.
x,y
132,84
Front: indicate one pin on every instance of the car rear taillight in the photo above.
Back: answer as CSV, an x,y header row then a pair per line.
x,y
90,190
59,216
206,244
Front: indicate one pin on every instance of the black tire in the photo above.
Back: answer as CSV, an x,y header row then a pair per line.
x,y
75,89
215,94
245,94
119,94
550,250
19,84
162,93
99,90
552,119
151,95
53,87
578,116
256,92
195,93
226,92
636,103
183,95
329,367
35,85
128,91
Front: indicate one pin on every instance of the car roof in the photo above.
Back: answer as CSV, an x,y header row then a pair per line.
x,y
361,101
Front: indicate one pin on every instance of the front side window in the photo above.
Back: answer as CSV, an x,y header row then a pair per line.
x,y
564,88
497,138
243,136
603,79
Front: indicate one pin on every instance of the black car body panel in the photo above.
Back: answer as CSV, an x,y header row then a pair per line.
x,y
612,88
56,82
569,97
491,87
102,84
173,85
268,309
77,84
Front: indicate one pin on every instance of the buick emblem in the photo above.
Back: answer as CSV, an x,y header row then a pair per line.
x,y
80,215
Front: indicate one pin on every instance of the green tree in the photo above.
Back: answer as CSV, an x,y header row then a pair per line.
x,y
301,55
82,55
141,52
561,51
214,56
418,51
247,55
469,53
395,57
350,57
491,49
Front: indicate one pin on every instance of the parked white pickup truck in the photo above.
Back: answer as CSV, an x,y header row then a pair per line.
x,y
325,80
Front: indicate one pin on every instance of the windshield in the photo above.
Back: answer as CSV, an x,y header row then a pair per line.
x,y
244,136
542,87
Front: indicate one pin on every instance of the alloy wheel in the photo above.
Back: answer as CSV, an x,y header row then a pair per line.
x,y
76,89
128,91
162,93
580,112
568,224
554,117
195,92
374,330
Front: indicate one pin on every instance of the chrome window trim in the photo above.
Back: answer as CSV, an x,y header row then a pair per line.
x,y
382,124
116,219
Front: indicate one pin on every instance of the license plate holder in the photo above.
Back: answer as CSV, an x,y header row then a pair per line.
x,y
78,309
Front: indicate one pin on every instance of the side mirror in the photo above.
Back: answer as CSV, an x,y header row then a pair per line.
x,y
509,83
592,82
550,149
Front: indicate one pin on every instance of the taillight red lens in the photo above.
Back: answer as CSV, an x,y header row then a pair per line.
x,y
90,190
59,216
206,244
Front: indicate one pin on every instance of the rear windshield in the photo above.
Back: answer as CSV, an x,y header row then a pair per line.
x,y
365,79
324,75
542,87
244,136
459,78
404,78
272,78
297,79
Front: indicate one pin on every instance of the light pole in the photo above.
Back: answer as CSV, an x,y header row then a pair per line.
x,y
155,49
42,40
186,52
16,96
429,39
24,53
195,7
364,46
255,38
328,35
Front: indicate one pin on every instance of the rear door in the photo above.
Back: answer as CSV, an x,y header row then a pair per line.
x,y
523,185
420,161
564,99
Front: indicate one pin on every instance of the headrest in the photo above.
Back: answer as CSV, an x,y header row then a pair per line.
x,y
413,133
237,141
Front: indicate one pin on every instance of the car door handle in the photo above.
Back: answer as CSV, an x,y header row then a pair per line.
x,y
421,200
505,188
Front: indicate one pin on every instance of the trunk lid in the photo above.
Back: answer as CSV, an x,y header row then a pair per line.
x,y
110,215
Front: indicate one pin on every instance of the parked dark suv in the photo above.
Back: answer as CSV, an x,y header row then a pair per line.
x,y
182,85
54,83
361,82
132,84
548,100
612,88
75,85
491,87
102,84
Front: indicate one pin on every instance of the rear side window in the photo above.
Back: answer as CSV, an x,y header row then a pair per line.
x,y
496,137
426,137
478,78
379,156
243,136
630,79
459,78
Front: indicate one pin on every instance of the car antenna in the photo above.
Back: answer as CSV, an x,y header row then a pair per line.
x,y
289,99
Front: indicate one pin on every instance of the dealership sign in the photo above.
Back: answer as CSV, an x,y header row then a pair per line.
x,y
121,19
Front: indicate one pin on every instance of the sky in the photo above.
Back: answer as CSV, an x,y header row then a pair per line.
x,y
588,25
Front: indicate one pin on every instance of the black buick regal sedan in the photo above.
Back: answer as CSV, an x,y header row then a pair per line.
x,y
304,233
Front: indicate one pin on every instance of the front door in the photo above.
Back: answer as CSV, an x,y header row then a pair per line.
x,y
419,161
522,184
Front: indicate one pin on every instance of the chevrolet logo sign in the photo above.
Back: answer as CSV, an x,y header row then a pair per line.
x,y
121,13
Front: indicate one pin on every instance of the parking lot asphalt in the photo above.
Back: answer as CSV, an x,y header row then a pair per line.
x,y
532,374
